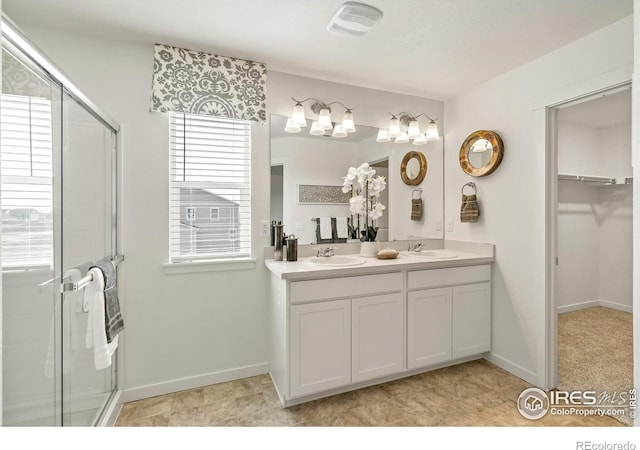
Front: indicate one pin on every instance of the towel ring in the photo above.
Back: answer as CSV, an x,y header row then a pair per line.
x,y
418,190
472,185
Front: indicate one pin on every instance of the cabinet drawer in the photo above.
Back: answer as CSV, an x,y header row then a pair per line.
x,y
420,279
304,291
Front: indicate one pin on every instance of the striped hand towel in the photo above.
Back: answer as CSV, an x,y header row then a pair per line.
x,y
416,209
469,211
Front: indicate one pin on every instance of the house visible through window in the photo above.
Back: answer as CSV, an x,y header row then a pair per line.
x,y
210,188
26,182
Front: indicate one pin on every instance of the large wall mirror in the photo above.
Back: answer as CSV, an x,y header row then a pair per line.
x,y
307,174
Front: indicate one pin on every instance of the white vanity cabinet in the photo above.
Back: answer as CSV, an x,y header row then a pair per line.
x,y
335,342
471,319
429,327
320,346
339,330
377,336
448,314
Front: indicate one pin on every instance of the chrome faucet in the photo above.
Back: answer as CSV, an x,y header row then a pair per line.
x,y
415,247
325,252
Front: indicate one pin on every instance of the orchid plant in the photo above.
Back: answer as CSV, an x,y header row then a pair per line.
x,y
364,204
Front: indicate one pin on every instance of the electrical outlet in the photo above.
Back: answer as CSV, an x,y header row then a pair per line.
x,y
449,225
264,228
439,225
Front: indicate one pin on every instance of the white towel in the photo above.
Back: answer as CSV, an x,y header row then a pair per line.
x,y
325,228
343,227
96,334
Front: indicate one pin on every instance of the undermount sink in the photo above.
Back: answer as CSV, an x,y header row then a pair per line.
x,y
432,254
339,261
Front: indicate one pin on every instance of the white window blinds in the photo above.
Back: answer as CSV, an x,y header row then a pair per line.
x,y
210,188
26,182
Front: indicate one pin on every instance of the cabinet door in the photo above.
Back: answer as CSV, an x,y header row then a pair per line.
x,y
471,319
320,346
428,327
377,338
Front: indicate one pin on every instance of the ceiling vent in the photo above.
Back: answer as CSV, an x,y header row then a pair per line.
x,y
354,19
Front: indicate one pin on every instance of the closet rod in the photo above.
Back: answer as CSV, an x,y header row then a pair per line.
x,y
587,178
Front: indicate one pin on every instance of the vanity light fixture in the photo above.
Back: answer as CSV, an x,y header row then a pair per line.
x,y
404,127
323,123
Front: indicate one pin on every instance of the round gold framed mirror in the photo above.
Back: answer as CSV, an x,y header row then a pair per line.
x,y
481,153
413,168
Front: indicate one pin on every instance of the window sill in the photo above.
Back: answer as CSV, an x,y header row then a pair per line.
x,y
209,266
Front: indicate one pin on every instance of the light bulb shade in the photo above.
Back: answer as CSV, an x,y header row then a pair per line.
x,y
316,129
414,129
394,127
298,117
420,140
383,136
291,127
347,122
338,132
403,138
324,119
432,132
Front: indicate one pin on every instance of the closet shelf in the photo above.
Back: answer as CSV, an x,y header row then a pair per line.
x,y
594,179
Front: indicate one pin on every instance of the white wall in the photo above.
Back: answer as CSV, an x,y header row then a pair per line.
x,y
579,150
189,329
512,199
578,246
594,220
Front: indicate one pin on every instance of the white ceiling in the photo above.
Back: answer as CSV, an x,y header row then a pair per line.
x,y
429,48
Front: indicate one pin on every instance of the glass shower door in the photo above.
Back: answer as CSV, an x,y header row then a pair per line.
x,y
87,236
30,155
57,192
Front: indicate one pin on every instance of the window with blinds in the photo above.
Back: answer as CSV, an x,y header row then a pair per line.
x,y
26,183
210,188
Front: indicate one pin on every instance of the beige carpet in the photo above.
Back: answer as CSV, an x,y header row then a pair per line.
x,y
595,352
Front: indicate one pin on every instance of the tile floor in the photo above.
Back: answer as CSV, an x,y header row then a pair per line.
x,y
471,394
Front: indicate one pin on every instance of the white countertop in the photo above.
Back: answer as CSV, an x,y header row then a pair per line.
x,y
303,270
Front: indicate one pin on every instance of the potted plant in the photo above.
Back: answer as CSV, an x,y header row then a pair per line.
x,y
365,206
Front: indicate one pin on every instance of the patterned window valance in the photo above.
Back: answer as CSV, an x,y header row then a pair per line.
x,y
17,79
194,82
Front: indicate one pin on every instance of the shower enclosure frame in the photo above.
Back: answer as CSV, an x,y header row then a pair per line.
x,y
36,58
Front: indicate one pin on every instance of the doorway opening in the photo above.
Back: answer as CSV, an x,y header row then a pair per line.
x,y
591,228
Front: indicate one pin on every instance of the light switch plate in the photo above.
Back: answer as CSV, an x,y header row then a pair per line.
x,y
264,228
449,224
438,225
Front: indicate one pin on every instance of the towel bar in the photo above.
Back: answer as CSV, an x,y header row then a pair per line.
x,y
83,282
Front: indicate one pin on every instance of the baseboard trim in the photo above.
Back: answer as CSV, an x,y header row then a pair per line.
x,y
592,304
515,369
577,306
180,384
618,306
